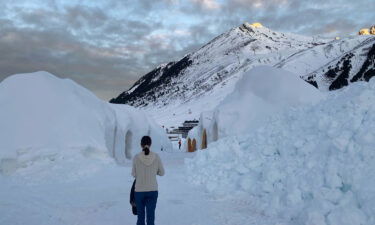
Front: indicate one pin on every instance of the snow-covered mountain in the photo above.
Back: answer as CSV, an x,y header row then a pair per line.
x,y
350,66
200,80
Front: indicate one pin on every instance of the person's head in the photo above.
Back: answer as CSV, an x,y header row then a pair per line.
x,y
146,143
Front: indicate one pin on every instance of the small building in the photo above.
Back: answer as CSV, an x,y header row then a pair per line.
x,y
185,128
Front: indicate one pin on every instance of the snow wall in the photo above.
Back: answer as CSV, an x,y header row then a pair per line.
x,y
44,116
261,92
132,125
311,165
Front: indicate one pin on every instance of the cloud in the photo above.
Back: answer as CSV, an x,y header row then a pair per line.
x,y
208,4
107,45
80,42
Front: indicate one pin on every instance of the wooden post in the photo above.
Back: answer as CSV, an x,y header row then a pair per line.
x,y
189,145
194,145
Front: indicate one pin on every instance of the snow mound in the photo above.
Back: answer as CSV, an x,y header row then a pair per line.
x,y
260,93
263,91
45,118
41,111
309,165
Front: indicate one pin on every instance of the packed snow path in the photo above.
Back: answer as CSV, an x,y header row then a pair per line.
x,y
102,197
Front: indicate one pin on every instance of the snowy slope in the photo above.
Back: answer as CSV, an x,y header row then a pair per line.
x,y
335,64
310,165
203,78
212,64
44,118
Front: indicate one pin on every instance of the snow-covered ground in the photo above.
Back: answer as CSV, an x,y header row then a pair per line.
x,y
98,193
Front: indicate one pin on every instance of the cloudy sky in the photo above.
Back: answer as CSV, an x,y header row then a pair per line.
x,y
107,45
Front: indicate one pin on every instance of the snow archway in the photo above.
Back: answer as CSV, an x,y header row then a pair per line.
x,y
128,144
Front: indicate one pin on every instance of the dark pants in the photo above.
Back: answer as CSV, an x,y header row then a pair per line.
x,y
146,200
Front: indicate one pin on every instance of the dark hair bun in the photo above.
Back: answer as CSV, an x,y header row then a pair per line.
x,y
146,143
146,150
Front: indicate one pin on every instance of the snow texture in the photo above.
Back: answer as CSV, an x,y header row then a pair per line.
x,y
309,165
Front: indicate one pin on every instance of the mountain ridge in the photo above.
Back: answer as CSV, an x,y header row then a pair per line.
x,y
328,64
243,37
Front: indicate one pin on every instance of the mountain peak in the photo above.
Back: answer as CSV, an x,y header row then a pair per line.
x,y
253,25
367,31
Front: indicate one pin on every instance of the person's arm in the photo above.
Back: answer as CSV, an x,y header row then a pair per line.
x,y
161,171
133,169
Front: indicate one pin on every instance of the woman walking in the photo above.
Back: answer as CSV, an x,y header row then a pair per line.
x,y
146,165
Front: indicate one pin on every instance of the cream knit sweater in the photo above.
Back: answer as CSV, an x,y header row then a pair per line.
x,y
145,169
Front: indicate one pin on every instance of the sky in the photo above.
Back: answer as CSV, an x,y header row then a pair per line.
x,y
108,45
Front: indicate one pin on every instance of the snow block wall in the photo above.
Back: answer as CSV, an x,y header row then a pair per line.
x,y
309,165
261,92
44,116
131,126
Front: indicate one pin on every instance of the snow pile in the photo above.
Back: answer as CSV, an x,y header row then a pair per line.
x,y
311,165
261,92
44,118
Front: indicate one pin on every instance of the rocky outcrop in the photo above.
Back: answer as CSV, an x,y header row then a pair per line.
x,y
146,87
372,30
364,31
339,75
367,70
367,31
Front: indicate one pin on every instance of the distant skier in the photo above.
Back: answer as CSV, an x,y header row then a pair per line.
x,y
179,144
146,165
